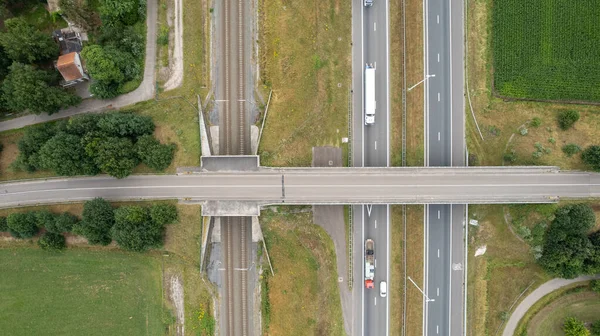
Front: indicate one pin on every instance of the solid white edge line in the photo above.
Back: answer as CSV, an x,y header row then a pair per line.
x,y
362,295
451,100
425,268
389,275
387,76
466,242
362,84
450,278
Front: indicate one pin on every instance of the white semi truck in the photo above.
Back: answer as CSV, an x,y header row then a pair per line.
x,y
368,3
370,104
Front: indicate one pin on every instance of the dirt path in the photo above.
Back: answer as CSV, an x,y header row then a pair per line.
x,y
176,56
144,92
536,295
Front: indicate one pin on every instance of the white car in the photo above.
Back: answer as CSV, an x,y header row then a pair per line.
x,y
383,289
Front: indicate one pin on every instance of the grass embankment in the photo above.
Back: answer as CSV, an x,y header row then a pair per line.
x,y
546,317
545,49
196,66
414,73
303,296
496,279
179,257
79,292
500,120
305,58
414,269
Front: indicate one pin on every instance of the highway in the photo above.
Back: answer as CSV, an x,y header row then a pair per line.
x,y
445,146
320,186
374,221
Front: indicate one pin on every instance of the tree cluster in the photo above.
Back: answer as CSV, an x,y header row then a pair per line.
x,y
28,224
24,85
134,228
116,56
574,327
569,249
113,143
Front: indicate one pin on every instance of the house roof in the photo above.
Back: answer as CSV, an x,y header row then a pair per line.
x,y
67,40
67,67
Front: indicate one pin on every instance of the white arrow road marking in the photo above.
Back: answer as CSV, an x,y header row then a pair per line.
x,y
369,208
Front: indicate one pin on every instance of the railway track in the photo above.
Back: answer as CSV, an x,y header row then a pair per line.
x,y
233,117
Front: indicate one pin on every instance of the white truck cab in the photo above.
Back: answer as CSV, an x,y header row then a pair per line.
x,y
368,3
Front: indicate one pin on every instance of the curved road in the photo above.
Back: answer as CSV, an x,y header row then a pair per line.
x,y
144,92
535,296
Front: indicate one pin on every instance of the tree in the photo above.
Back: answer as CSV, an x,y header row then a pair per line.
x,y
163,214
116,157
63,154
22,225
110,68
126,124
154,154
135,230
591,156
3,225
52,241
26,88
595,284
62,223
44,218
567,118
566,247
82,124
574,327
571,149
119,11
23,43
97,219
595,330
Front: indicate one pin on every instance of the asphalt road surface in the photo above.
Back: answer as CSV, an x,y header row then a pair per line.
x,y
320,186
445,145
370,149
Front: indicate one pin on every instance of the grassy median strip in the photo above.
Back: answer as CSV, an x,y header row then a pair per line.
x,y
303,296
305,58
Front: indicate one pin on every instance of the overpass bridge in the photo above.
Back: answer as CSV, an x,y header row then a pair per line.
x,y
241,193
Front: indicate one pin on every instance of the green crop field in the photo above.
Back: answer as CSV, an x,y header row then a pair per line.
x,y
79,292
547,49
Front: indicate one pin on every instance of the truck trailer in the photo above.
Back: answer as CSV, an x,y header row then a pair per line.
x,y
370,104
369,263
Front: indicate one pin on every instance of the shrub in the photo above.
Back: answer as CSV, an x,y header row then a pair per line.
x,y
552,140
523,130
595,329
571,149
510,156
163,214
22,225
536,122
163,35
595,284
44,219
3,225
52,241
574,327
591,156
63,223
134,229
567,118
97,220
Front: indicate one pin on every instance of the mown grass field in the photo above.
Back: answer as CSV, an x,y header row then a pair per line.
x,y
303,296
547,49
180,258
305,58
547,316
79,292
